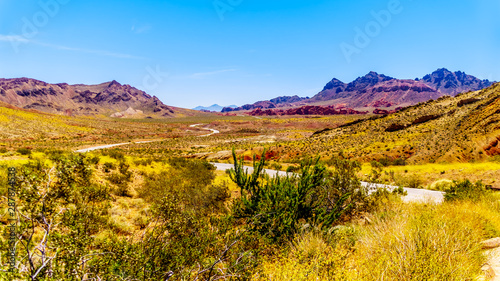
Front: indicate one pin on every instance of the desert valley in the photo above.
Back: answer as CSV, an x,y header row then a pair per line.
x,y
249,140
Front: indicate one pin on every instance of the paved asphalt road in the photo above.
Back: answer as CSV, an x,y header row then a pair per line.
x,y
414,194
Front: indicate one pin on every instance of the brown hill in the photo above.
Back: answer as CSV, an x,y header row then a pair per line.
x,y
461,128
106,98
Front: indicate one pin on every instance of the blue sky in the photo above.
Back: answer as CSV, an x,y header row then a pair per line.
x,y
191,53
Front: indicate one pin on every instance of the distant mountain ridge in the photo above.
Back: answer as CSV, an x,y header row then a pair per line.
x,y
273,103
380,91
213,107
106,98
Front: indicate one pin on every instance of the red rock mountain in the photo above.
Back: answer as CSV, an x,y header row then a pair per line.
x,y
379,91
375,90
106,98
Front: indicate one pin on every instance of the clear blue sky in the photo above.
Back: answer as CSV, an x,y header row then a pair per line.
x,y
191,53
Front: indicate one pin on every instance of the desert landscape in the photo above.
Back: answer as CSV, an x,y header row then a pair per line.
x,y
381,178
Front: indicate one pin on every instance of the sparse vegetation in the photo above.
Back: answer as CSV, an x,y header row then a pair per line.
x,y
143,210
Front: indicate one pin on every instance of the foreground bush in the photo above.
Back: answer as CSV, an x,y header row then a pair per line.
x,y
59,209
465,190
277,207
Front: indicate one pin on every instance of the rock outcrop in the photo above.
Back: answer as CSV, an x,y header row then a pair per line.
x,y
106,98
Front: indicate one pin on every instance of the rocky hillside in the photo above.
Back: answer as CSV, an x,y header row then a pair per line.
x,y
102,99
461,128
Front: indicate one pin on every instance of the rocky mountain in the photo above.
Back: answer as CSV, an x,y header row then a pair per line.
x,y
102,99
380,92
273,103
214,107
453,83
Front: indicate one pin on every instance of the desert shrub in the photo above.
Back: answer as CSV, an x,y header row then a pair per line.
x,y
441,185
413,181
115,154
276,166
54,153
94,160
247,131
277,207
121,179
386,161
399,162
24,151
108,166
190,181
376,171
143,162
184,234
60,209
465,190
344,180
292,169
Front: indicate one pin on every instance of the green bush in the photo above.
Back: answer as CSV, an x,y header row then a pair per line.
x,y
108,166
277,207
465,190
24,151
292,169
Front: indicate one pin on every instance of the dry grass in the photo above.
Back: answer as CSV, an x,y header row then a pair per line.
x,y
402,242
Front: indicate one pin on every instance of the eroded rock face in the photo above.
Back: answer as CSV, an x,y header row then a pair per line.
x,y
493,148
306,110
105,98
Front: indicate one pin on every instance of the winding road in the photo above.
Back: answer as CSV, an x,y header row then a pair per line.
x,y
213,131
414,194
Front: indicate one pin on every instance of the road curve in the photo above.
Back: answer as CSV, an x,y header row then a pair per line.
x,y
100,147
414,194
213,131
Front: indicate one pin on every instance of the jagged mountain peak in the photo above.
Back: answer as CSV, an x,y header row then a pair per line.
x,y
453,83
105,98
114,83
